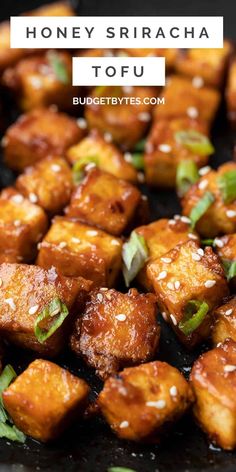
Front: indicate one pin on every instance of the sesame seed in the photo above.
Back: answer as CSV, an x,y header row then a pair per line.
x,y
141,177
124,424
128,157
17,223
108,53
195,256
108,137
203,184
218,344
164,315
17,198
192,236
90,166
75,240
231,213
1,282
229,368
172,222
144,116
128,89
173,391
11,303
56,168
177,284
197,81
160,404
104,289
192,112
92,232
33,309
204,170
167,260
173,319
229,312
33,198
164,148
36,82
200,252
120,317
177,217
218,242
114,242
99,297
185,219
82,123
4,141
210,283
171,286
162,275
62,244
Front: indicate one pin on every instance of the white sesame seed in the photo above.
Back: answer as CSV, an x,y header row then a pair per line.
x,y
114,242
75,240
120,317
108,137
99,297
124,424
128,89
231,213
200,252
162,275
104,289
204,170
17,198
218,344
62,244
108,53
172,222
160,404
33,309
192,112
197,81
82,123
192,236
128,157
11,303
164,148
210,283
218,242
88,167
17,223
173,391
55,167
33,198
173,319
164,316
92,232
141,177
177,284
203,184
229,368
177,217
4,141
36,82
229,312
195,256
144,116
167,260
185,219
171,286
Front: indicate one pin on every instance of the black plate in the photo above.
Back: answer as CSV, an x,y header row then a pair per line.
x,y
91,446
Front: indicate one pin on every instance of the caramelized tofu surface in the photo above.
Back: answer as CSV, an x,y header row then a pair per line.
x,y
220,217
38,134
164,153
117,330
141,402
109,157
224,322
45,399
103,200
213,379
49,184
190,274
231,93
25,291
226,250
76,249
22,225
183,99
126,124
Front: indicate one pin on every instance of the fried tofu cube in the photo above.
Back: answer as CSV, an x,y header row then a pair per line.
x,y
104,201
45,399
25,291
213,380
231,93
53,9
126,124
49,184
220,216
38,134
205,66
189,286
42,80
224,322
170,55
164,152
109,158
76,249
226,250
183,99
116,330
22,226
140,403
161,236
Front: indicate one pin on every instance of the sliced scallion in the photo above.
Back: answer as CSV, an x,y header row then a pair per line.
x,y
8,431
195,142
230,269
79,166
56,310
140,145
120,469
134,254
59,67
227,186
195,312
138,161
201,207
186,175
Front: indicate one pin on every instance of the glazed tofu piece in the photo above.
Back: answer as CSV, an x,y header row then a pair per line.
x,y
76,249
211,193
189,286
108,156
22,226
184,99
49,184
170,55
226,250
231,93
213,379
140,403
160,237
38,134
28,291
224,322
41,81
168,144
126,124
204,66
45,399
104,201
116,330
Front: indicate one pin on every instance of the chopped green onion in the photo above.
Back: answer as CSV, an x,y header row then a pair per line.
x,y
134,254
230,269
195,312
79,166
138,161
207,242
227,186
56,310
11,432
104,90
6,377
187,174
120,469
8,431
59,67
195,142
201,207
140,145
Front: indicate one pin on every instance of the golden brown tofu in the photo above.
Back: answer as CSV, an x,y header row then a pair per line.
x,y
224,322
108,157
231,93
164,151
205,66
41,81
104,201
189,285
116,330
140,403
22,226
183,99
49,184
169,54
76,249
53,9
94,53
45,399
226,250
124,124
161,236
220,216
27,290
38,134
213,379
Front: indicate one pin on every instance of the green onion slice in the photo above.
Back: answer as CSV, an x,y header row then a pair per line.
x,y
79,166
11,432
56,310
8,431
59,67
195,142
230,268
208,242
138,161
195,312
187,174
140,146
201,207
120,469
227,186
134,254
